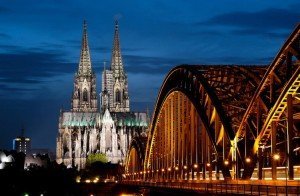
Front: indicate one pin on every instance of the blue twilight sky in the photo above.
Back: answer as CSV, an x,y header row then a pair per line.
x,y
40,46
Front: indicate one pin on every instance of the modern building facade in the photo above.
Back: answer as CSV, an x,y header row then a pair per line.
x,y
22,143
106,129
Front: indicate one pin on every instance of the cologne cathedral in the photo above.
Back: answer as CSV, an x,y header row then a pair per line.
x,y
108,128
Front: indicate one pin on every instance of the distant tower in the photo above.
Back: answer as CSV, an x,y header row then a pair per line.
x,y
107,89
115,79
84,97
22,143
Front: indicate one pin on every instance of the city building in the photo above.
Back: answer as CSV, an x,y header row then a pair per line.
x,y
22,143
88,128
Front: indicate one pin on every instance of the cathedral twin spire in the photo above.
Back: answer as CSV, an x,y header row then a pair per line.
x,y
84,95
116,59
114,95
85,65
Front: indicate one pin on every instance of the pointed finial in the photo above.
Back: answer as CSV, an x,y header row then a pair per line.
x,y
104,65
116,24
84,25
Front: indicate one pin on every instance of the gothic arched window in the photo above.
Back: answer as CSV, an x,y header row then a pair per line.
x,y
85,95
118,96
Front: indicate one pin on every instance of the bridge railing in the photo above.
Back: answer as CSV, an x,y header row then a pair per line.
x,y
221,187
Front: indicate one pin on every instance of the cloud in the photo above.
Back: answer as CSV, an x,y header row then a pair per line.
x,y
266,19
272,22
26,70
260,32
4,9
150,65
4,35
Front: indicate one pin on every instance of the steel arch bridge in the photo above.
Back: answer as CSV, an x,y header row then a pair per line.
x,y
224,122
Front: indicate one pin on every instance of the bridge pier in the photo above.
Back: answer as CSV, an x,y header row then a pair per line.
x,y
274,157
289,137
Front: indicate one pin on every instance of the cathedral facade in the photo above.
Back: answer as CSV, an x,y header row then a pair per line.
x,y
108,128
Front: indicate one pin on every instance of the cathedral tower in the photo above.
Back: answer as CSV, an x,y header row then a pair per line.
x,y
84,97
114,81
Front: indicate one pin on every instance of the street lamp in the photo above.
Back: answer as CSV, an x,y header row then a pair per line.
x,y
226,162
248,160
276,157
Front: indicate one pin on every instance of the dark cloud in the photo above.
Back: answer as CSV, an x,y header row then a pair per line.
x,y
150,65
4,35
4,9
162,65
271,18
30,68
260,32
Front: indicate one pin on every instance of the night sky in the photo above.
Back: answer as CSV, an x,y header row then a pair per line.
x,y
40,46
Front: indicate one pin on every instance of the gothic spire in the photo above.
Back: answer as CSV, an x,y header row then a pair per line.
x,y
85,67
116,59
104,72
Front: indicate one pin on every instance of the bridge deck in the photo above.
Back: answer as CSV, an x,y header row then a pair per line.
x,y
246,187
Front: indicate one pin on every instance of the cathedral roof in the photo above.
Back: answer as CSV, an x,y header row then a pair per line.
x,y
107,117
79,119
131,119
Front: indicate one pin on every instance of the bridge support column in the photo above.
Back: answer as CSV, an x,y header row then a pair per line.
x,y
217,171
260,163
289,137
273,150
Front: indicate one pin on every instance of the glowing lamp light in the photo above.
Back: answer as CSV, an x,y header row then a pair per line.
x,y
78,179
157,170
208,164
276,157
162,169
169,169
185,167
226,162
195,166
87,181
176,168
141,172
248,160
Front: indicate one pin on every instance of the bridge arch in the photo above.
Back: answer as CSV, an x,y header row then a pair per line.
x,y
135,157
206,95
